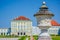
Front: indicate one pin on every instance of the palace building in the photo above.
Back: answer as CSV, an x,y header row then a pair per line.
x,y
55,28
21,26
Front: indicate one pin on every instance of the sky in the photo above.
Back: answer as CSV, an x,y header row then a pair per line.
x,y
11,9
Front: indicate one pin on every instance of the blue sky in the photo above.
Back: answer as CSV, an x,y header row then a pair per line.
x,y
10,9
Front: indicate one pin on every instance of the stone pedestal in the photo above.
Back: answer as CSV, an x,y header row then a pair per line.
x,y
44,35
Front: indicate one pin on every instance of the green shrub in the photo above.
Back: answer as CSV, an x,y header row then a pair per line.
x,y
22,38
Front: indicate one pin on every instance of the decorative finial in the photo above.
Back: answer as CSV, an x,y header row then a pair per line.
x,y
44,2
44,5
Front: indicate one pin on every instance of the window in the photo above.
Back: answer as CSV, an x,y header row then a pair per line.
x,y
24,33
18,33
21,33
4,33
1,33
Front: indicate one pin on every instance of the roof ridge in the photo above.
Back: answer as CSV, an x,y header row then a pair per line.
x,y
21,18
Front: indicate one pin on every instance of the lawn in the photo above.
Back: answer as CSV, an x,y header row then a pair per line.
x,y
53,37
56,37
36,37
24,37
8,36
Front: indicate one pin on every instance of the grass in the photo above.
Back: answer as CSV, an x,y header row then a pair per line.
x,y
36,37
53,37
8,36
57,37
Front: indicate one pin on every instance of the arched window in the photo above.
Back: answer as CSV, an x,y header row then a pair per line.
x,y
1,33
59,31
4,33
24,33
21,33
18,33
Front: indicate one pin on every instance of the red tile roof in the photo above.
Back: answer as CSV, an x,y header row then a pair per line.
x,y
22,18
54,23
